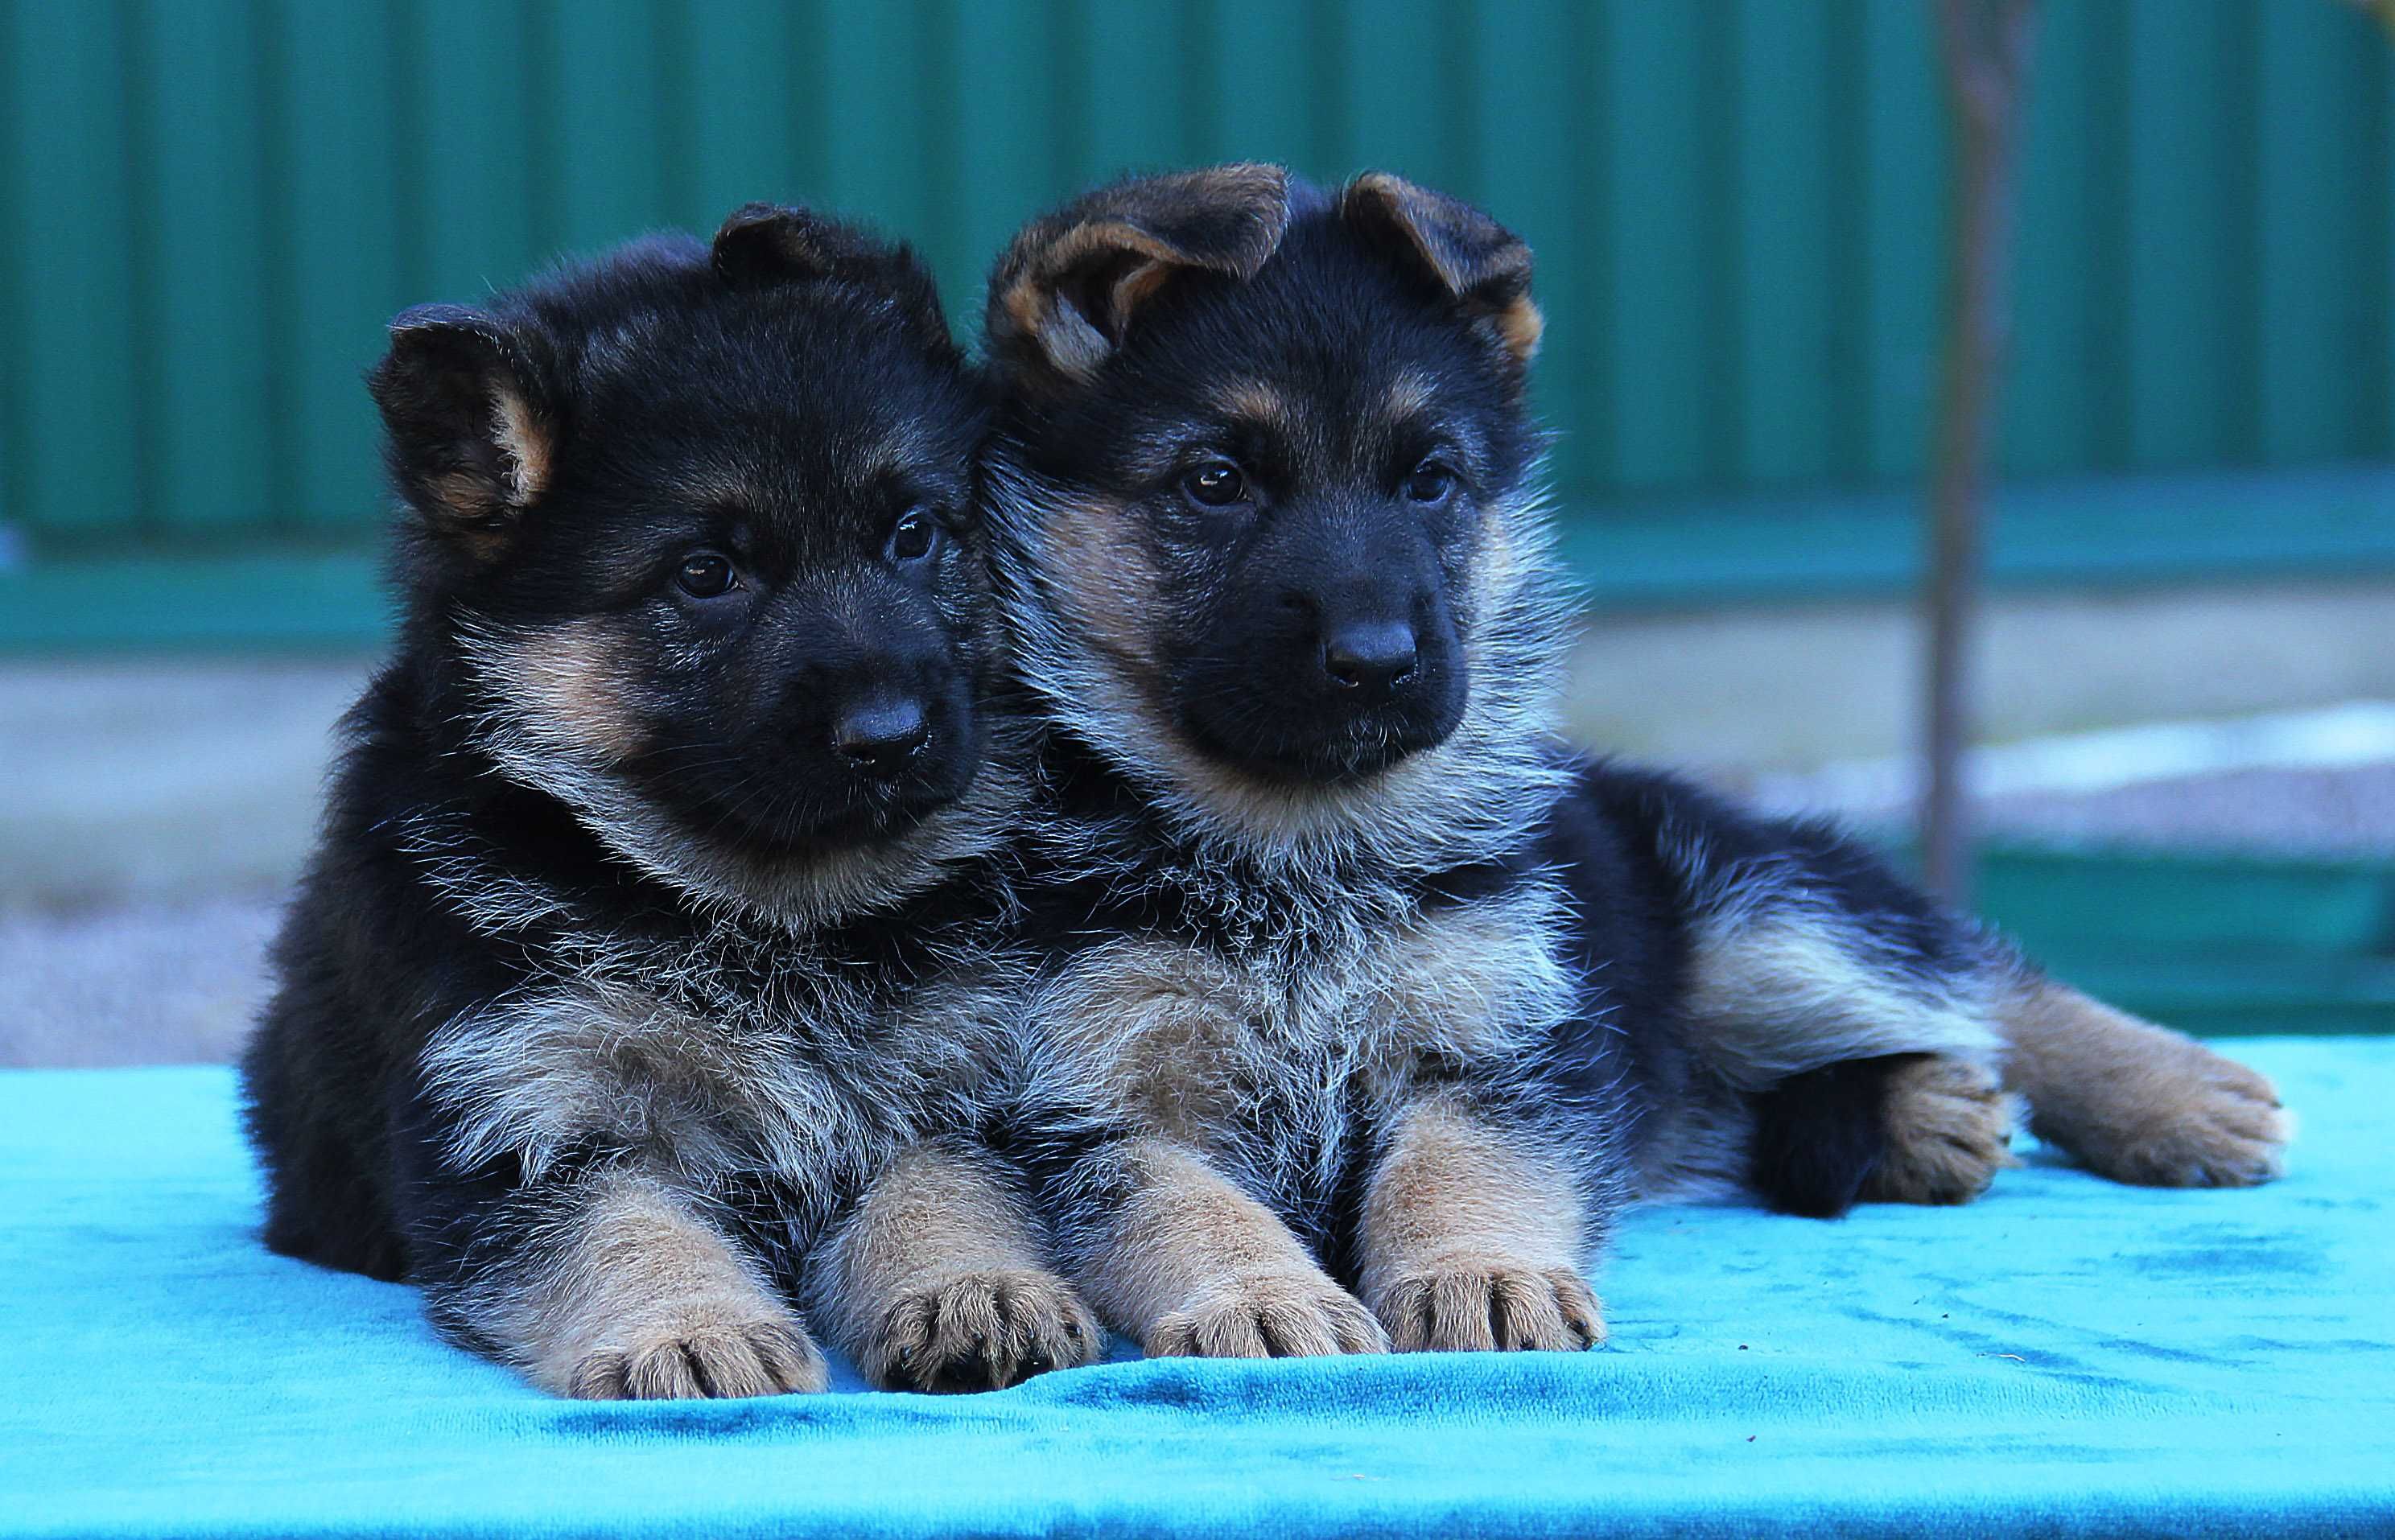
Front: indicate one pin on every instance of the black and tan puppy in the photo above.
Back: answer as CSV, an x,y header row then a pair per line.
x,y
1357,981
648,985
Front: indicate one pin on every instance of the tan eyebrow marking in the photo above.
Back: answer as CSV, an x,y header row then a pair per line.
x,y
1256,402
1409,395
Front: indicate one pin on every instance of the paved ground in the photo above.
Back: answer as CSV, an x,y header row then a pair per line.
x,y
131,783
144,983
151,817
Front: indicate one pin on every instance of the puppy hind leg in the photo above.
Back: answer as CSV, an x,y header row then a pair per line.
x,y
1949,1127
1820,1137
2135,1101
939,1280
1471,1240
1910,1128
1818,980
1872,1064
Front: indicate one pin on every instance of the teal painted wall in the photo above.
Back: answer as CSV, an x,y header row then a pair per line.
x,y
208,208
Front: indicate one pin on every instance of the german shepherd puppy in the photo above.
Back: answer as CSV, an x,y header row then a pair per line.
x,y
1359,981
650,982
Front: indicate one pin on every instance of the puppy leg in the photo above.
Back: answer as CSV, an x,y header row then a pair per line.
x,y
2135,1101
938,1281
1471,1242
1793,992
1949,1128
616,1286
1179,1258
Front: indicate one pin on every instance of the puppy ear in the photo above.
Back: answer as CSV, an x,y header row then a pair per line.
x,y
472,433
763,245
1063,294
1476,259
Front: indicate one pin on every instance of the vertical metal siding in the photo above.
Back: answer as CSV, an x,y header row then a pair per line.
x,y
208,208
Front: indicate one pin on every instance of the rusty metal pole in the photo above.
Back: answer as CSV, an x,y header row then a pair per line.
x,y
1984,47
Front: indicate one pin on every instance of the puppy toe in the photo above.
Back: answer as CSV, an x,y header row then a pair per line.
x,y
1949,1127
703,1359
2188,1118
982,1331
1268,1316
1490,1304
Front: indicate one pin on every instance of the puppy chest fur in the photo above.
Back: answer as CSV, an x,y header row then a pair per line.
x,y
816,1076
1278,1059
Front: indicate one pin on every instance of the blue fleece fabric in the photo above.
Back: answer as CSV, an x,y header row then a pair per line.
x,y
2065,1357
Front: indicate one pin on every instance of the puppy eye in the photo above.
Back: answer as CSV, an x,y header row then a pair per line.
x,y
1216,484
1431,482
703,574
914,535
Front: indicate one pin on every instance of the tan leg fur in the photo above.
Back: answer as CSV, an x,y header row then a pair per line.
x,y
939,1282
1193,1266
1471,1243
643,1299
2136,1103
1949,1127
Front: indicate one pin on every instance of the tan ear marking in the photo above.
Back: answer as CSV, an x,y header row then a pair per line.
x,y
460,393
1070,284
1077,332
1410,208
520,437
1474,258
1521,325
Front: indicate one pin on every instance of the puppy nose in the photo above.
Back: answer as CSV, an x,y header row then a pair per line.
x,y
877,734
1376,655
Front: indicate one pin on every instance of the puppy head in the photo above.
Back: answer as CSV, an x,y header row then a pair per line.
x,y
694,523
1267,461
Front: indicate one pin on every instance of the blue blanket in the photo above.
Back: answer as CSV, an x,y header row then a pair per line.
x,y
2066,1357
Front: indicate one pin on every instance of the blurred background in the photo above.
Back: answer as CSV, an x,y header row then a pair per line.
x,y
2184,680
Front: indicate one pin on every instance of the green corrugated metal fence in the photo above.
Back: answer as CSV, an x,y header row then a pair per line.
x,y
208,207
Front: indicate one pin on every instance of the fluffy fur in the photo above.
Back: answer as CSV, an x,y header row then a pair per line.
x,y
649,985
1360,990
1306,1030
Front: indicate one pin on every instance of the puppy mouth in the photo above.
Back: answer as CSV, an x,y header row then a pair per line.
x,y
821,817
1352,751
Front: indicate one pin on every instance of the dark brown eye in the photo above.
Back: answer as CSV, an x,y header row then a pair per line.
x,y
1216,484
914,535
703,574
1431,482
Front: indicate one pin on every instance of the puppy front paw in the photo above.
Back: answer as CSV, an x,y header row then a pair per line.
x,y
1484,1303
1270,1315
982,1331
2187,1118
1949,1127
708,1353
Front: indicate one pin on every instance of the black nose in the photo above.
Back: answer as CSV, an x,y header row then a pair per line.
x,y
1378,654
877,734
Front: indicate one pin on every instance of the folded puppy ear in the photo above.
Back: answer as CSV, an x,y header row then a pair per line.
x,y
466,401
1476,259
763,245
1063,294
